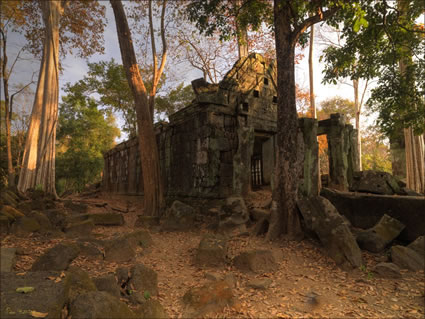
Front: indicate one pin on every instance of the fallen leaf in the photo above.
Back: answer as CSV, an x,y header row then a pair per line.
x,y
37,314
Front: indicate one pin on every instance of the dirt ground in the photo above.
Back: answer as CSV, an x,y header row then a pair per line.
x,y
304,269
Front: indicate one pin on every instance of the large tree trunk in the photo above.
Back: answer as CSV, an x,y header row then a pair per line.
x,y
242,35
152,187
358,112
38,166
284,215
310,72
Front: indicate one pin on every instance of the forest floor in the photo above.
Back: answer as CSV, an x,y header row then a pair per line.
x,y
305,268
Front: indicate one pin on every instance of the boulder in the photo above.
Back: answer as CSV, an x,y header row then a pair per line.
x,y
47,296
119,250
57,217
261,227
8,258
365,210
212,297
107,219
25,207
83,228
78,282
24,226
258,261
42,220
179,217
57,258
153,309
375,182
144,279
377,238
90,250
4,225
8,199
9,210
418,245
140,238
107,283
99,304
234,213
260,283
75,207
387,270
407,258
321,217
212,251
123,275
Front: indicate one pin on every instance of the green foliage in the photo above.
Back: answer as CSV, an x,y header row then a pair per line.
x,y
84,133
388,35
337,104
147,295
375,153
175,100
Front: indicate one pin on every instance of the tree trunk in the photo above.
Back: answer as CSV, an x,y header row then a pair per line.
x,y
284,214
38,166
242,36
357,106
310,72
152,186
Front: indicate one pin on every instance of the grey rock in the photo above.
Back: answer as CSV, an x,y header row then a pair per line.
x,y
90,250
7,259
405,257
119,250
99,304
212,251
107,283
387,270
376,239
123,275
418,245
180,217
83,228
321,217
375,182
258,261
57,258
153,309
144,279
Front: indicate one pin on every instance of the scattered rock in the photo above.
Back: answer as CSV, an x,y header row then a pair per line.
x,y
405,257
24,226
25,207
418,245
8,199
212,251
7,260
211,297
57,258
99,304
376,239
48,296
4,225
83,228
214,276
76,207
119,250
78,282
153,309
261,227
139,238
258,261
123,275
375,182
235,213
260,283
108,284
144,279
259,214
387,270
146,221
57,217
13,212
321,217
90,250
42,220
179,217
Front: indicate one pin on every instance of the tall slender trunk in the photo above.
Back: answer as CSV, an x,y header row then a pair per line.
x,y
357,106
38,165
310,72
152,186
242,35
284,214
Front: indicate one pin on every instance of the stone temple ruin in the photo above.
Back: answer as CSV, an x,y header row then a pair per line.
x,y
223,143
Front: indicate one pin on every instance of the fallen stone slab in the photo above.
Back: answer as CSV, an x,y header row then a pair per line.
x,y
418,245
47,296
75,207
99,304
377,238
7,259
153,309
107,219
212,251
90,250
212,297
144,279
258,261
387,270
12,212
407,258
376,182
24,226
321,217
83,228
140,238
365,210
57,258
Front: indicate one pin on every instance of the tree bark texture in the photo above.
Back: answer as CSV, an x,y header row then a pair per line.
x,y
284,215
311,75
38,165
152,186
358,111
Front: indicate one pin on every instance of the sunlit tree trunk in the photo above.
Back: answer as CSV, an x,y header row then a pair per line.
x,y
242,36
152,186
38,165
311,75
357,106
